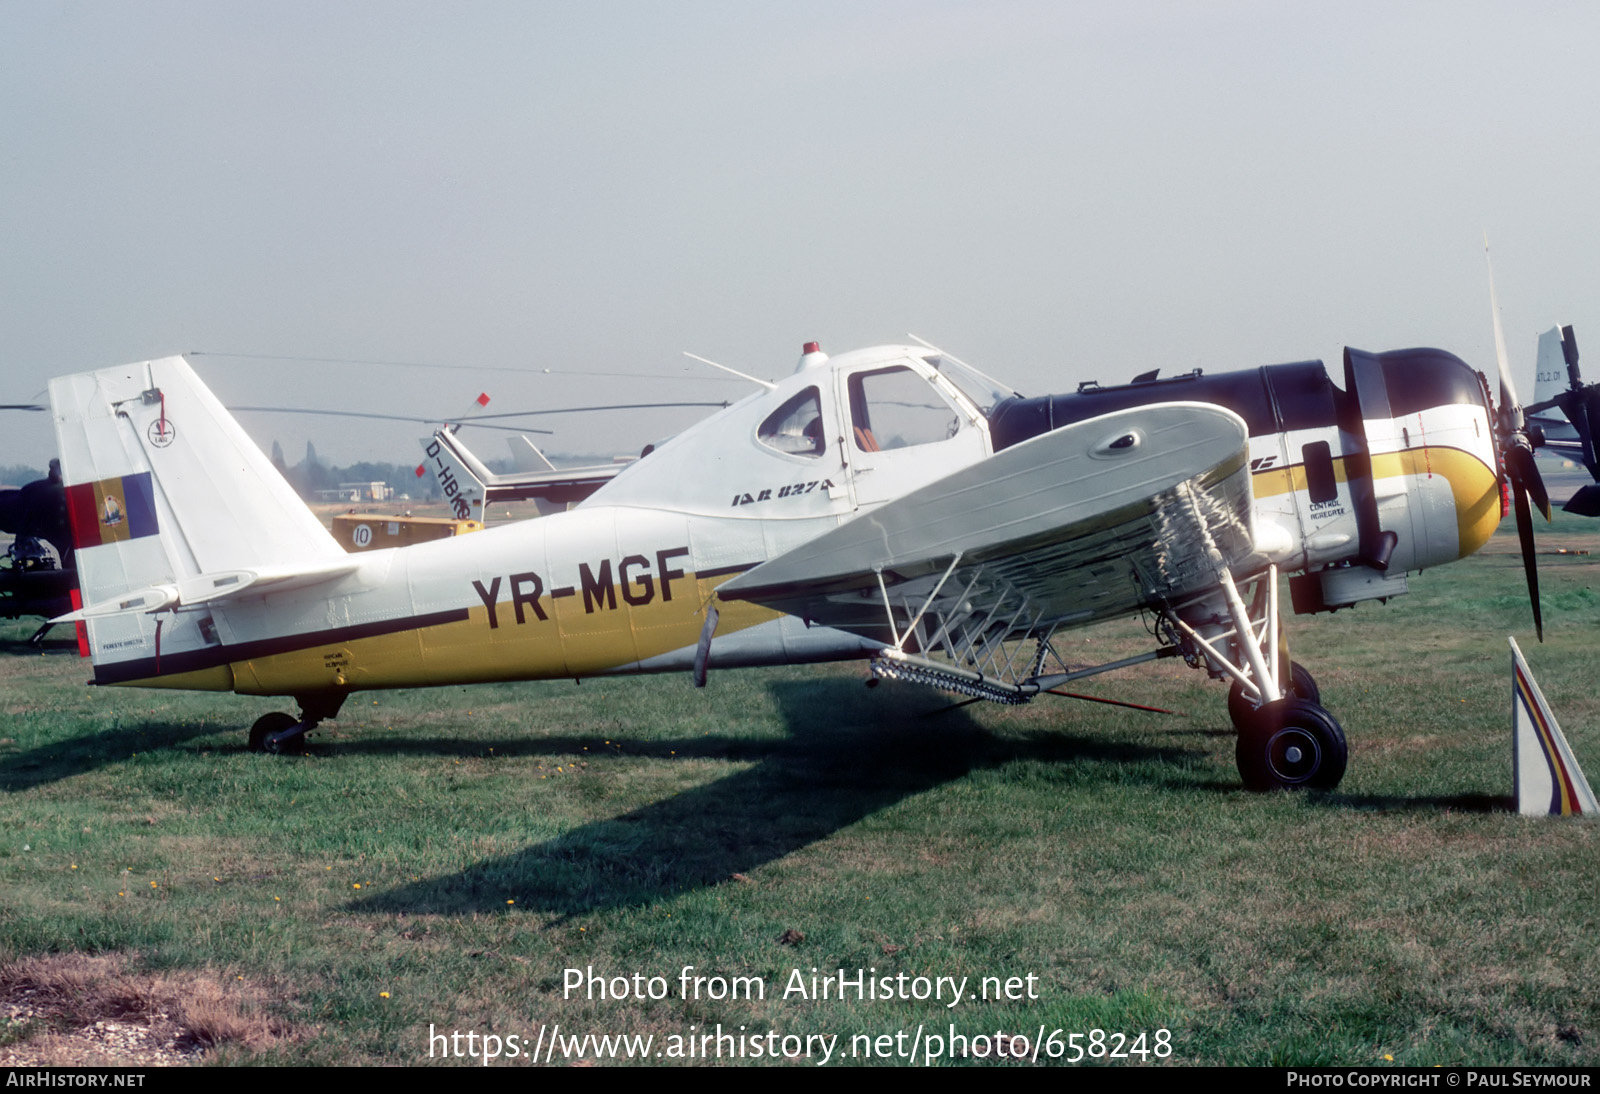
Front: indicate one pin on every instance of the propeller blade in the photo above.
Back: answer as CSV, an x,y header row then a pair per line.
x,y
1525,477
1530,561
1510,408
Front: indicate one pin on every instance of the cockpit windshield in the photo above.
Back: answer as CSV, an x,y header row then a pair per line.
x,y
983,392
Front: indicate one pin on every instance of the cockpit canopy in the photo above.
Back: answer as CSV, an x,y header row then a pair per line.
x,y
830,422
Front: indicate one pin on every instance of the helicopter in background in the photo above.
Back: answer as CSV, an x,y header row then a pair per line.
x,y
37,575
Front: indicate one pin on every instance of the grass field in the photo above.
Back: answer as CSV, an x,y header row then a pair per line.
x,y
439,858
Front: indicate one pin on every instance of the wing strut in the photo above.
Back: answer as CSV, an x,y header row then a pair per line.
x,y
911,628
1259,650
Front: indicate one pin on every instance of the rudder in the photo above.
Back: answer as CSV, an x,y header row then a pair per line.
x,y
165,490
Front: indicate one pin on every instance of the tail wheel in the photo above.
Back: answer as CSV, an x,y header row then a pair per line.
x,y
1291,743
1243,707
267,734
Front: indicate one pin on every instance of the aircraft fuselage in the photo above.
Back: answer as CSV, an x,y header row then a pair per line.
x,y
1352,489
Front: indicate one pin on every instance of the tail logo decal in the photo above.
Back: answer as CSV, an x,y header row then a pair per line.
x,y
112,510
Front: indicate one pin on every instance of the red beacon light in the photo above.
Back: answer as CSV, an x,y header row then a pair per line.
x,y
811,356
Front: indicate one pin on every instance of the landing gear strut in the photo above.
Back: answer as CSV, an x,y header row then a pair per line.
x,y
280,734
1286,739
1242,705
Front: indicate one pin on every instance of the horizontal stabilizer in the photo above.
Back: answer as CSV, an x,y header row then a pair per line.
x,y
207,588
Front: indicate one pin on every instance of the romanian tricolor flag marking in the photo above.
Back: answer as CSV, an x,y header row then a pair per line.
x,y
112,510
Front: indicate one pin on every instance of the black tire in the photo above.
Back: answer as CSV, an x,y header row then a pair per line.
x,y
267,726
1242,706
1292,744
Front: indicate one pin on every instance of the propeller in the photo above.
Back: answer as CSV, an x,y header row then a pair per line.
x,y
1516,456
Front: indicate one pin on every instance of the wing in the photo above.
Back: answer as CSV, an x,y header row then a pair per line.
x,y
1094,520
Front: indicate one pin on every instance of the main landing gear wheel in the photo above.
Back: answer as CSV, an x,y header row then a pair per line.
x,y
1243,707
1291,743
270,734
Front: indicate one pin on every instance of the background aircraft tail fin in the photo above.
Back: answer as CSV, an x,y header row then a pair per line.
x,y
460,475
1550,372
526,455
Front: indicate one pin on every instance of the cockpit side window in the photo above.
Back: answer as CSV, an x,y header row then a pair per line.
x,y
795,428
896,408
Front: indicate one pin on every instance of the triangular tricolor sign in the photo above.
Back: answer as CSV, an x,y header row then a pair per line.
x,y
1549,781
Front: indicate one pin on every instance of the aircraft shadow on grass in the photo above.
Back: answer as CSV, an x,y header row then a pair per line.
x,y
846,758
56,647
91,751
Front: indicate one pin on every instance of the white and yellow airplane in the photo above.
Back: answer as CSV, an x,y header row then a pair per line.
x,y
890,504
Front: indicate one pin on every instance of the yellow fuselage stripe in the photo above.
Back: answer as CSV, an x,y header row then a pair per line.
x,y
1473,484
569,641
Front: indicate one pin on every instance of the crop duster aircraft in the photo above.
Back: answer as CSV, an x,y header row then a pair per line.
x,y
890,504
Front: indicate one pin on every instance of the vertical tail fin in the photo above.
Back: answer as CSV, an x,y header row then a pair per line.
x,y
526,455
1550,373
461,475
164,490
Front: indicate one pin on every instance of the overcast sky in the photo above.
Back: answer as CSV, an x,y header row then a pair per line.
x,y
1052,191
